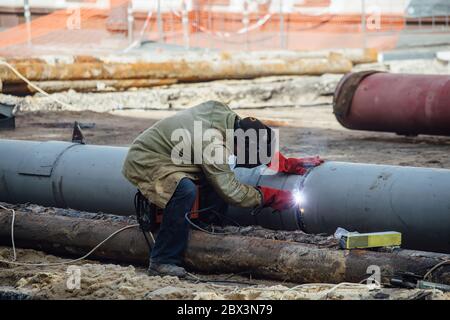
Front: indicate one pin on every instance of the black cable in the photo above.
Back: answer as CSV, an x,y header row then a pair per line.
x,y
142,206
150,246
200,228
255,211
196,279
228,281
227,217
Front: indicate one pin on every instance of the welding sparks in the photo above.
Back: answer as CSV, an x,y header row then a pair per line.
x,y
298,197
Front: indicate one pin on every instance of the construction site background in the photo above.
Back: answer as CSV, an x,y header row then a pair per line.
x,y
112,26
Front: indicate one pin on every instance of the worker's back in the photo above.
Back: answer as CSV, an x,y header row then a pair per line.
x,y
150,164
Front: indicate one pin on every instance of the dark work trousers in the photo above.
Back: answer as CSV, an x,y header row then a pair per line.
x,y
173,235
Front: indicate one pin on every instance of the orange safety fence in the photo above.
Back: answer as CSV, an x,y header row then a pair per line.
x,y
56,21
309,26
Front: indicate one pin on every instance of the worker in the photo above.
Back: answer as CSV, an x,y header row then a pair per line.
x,y
170,182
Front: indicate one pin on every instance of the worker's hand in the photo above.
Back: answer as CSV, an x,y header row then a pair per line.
x,y
277,199
308,162
294,165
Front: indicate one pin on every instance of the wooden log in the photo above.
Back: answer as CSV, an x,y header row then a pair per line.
x,y
356,56
182,70
279,260
84,85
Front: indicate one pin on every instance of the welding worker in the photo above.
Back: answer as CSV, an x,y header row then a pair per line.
x,y
171,185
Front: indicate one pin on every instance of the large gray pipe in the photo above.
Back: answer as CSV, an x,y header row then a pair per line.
x,y
65,175
362,197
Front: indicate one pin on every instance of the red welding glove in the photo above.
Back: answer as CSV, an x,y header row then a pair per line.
x,y
298,166
277,199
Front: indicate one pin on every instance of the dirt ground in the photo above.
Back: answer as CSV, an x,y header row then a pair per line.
x,y
111,281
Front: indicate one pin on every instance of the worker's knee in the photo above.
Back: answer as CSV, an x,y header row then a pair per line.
x,y
186,191
181,202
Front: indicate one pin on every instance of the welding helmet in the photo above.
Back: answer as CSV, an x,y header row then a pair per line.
x,y
254,142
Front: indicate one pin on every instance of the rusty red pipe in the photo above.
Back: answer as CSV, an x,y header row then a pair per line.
x,y
406,104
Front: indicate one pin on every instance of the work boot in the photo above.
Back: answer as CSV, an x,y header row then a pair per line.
x,y
161,269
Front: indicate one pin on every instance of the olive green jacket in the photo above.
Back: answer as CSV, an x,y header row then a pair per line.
x,y
150,168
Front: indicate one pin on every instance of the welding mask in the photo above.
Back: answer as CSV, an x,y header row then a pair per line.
x,y
253,142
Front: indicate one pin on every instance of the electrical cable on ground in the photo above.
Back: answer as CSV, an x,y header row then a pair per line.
x,y
197,279
186,216
435,267
12,231
14,262
196,226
